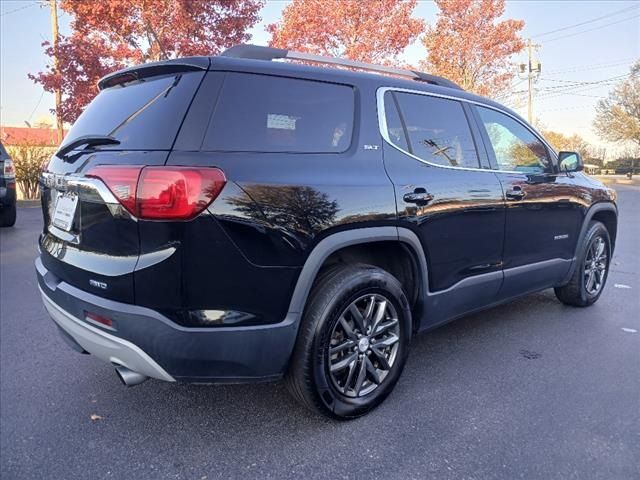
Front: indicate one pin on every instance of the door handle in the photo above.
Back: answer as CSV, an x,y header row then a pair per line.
x,y
419,196
515,193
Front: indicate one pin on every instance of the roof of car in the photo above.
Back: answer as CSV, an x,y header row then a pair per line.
x,y
293,69
340,75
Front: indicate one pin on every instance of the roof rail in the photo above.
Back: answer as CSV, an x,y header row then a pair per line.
x,y
256,52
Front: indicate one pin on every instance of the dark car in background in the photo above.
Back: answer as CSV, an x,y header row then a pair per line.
x,y
237,219
7,189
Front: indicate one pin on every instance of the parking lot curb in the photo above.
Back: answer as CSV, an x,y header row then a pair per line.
x,y
28,203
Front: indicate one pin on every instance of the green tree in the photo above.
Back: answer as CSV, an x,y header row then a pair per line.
x,y
28,160
618,115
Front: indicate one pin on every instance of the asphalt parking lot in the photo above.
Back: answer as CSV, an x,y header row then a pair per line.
x,y
533,389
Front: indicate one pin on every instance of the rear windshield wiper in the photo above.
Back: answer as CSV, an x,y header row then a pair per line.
x,y
89,141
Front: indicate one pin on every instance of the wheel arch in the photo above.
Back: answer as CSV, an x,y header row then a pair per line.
x,y
348,240
609,217
605,212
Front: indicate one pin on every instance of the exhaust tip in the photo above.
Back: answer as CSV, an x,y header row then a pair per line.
x,y
129,377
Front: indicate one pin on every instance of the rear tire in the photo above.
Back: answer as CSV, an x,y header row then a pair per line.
x,y
591,271
353,342
8,216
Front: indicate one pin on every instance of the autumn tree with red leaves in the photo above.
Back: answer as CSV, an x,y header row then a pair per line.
x,y
374,31
468,46
111,34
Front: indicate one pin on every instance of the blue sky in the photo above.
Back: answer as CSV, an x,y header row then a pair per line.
x,y
596,51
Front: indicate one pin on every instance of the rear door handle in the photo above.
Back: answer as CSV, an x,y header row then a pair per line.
x,y
515,193
419,196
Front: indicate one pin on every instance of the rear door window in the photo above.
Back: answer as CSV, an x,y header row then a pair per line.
x,y
436,129
143,115
261,113
396,130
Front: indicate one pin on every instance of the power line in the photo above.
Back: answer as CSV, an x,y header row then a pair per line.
x,y
578,82
550,92
36,107
576,107
572,90
586,95
581,95
505,95
554,91
18,9
596,66
592,29
569,87
612,14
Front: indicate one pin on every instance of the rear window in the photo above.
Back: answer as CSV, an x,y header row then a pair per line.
x,y
435,129
260,113
142,115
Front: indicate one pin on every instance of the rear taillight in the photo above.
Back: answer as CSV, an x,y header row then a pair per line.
x,y
177,193
122,181
8,171
162,193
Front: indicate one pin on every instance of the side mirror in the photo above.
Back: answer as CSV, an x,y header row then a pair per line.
x,y
570,162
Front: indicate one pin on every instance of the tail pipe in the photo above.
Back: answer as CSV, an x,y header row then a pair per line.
x,y
129,377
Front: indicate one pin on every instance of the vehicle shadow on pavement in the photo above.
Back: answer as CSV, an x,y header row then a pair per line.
x,y
437,356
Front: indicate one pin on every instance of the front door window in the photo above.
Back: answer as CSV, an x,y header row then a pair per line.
x,y
516,148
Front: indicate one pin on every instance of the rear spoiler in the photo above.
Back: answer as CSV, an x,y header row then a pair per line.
x,y
187,64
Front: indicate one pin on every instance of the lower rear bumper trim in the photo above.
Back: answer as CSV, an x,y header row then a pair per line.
x,y
103,345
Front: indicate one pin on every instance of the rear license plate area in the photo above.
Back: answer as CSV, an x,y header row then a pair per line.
x,y
65,211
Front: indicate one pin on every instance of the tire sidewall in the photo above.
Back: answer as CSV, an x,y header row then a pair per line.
x,y
375,281
596,230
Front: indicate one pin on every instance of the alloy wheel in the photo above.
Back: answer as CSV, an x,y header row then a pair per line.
x,y
364,345
595,266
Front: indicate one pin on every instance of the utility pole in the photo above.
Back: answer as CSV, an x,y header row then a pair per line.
x,y
532,70
53,4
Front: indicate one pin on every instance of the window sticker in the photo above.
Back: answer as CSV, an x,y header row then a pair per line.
x,y
282,122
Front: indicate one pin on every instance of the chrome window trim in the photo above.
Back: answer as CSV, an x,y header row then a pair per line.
x,y
382,126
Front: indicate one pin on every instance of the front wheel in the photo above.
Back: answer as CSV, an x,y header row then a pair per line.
x,y
353,342
592,269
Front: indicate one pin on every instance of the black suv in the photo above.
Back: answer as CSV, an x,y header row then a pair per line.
x,y
7,189
237,219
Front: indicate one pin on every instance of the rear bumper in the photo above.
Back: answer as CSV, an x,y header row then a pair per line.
x,y
147,342
103,345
